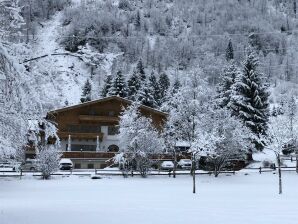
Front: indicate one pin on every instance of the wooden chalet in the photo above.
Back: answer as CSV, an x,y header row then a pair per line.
x,y
88,131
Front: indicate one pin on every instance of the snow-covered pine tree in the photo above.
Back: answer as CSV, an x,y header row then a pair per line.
x,y
86,95
224,87
140,70
164,84
136,80
146,95
292,111
118,87
230,51
154,85
107,85
138,21
249,99
133,86
176,86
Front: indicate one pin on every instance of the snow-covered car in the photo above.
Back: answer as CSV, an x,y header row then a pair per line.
x,y
184,164
65,164
7,167
167,165
30,164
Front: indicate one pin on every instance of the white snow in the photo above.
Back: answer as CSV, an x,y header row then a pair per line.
x,y
245,199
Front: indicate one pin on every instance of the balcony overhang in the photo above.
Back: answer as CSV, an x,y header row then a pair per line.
x,y
105,119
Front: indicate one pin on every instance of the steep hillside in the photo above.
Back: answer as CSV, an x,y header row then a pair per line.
x,y
50,48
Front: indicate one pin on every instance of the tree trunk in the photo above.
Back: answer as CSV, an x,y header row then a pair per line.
x,y
296,155
194,181
279,174
175,164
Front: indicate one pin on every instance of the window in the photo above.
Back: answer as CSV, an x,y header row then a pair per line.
x,y
113,130
111,113
77,166
113,148
90,166
82,147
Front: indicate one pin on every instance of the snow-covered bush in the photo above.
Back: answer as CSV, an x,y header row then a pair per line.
x,y
48,160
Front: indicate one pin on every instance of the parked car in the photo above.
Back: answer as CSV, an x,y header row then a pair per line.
x,y
65,164
184,164
30,164
167,165
7,167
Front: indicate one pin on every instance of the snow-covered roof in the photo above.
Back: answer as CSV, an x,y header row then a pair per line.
x,y
182,144
104,100
33,124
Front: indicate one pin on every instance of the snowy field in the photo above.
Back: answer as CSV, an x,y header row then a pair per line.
x,y
231,199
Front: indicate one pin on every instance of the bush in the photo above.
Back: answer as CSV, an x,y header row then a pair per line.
x,y
48,161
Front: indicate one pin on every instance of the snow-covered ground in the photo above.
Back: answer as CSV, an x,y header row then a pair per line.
x,y
232,199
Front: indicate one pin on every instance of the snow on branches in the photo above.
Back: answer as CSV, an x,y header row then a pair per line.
x,y
138,139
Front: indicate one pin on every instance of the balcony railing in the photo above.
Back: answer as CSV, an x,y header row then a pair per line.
x,y
65,135
89,155
99,118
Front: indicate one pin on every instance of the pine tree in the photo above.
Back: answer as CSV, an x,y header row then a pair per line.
x,y
146,95
292,111
230,51
224,87
86,95
135,82
140,70
249,100
118,87
138,20
164,84
133,86
176,86
154,85
107,85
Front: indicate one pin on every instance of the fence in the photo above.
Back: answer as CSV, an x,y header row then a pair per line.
x,y
110,172
271,169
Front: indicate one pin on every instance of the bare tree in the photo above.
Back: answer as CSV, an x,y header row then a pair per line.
x,y
279,135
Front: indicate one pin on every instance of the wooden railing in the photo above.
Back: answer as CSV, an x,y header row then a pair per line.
x,y
89,155
64,135
99,118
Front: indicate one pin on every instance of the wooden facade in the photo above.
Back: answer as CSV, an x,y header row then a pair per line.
x,y
93,123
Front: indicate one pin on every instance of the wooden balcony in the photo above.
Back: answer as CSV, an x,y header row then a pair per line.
x,y
105,119
89,155
64,135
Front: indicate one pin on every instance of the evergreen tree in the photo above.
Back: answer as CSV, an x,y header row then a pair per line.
x,y
140,70
107,85
155,87
230,51
292,111
133,85
135,82
176,86
224,87
138,20
164,84
146,95
86,95
249,100
118,87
